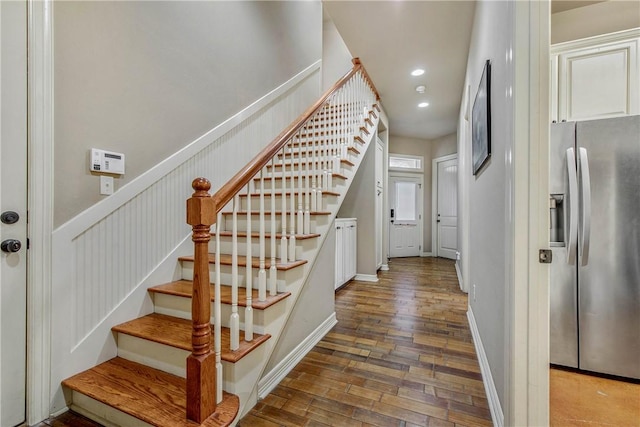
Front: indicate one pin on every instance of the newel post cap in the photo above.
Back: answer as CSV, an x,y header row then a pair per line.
x,y
201,209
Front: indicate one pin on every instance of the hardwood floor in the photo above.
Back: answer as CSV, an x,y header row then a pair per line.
x,y
401,355
584,400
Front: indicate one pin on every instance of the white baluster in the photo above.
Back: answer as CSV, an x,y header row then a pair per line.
x,y
307,188
272,269
283,242
217,315
292,212
262,275
300,213
248,310
314,171
234,322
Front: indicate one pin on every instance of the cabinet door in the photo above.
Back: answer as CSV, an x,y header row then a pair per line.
x,y
353,252
553,88
599,82
339,280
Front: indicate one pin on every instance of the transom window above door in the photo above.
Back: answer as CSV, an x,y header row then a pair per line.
x,y
405,162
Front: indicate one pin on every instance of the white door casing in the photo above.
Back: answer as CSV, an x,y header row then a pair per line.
x,y
13,197
445,203
405,224
379,205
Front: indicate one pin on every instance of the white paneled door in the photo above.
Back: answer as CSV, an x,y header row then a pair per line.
x,y
447,209
405,231
13,206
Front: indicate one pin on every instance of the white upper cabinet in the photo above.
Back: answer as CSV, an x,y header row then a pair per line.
x,y
596,78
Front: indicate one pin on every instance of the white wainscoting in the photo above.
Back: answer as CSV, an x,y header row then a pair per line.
x,y
105,258
489,386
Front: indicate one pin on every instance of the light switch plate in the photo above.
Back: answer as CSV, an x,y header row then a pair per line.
x,y
106,185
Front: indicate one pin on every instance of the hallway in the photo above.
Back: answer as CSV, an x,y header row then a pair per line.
x,y
400,355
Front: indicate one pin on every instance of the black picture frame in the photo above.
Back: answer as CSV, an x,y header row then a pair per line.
x,y
481,121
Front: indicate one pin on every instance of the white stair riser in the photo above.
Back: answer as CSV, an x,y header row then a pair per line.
x,y
316,220
283,277
303,247
180,307
105,415
255,202
173,360
277,184
296,168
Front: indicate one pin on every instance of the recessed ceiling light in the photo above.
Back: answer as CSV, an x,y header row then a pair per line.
x,y
421,88
423,104
417,72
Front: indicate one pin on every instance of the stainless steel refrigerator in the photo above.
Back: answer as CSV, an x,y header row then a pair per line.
x,y
595,241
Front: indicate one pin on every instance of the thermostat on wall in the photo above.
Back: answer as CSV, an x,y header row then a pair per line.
x,y
106,161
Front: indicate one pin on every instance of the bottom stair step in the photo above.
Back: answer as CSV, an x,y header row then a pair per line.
x,y
176,332
152,396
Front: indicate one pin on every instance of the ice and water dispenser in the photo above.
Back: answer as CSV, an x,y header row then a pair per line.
x,y
556,219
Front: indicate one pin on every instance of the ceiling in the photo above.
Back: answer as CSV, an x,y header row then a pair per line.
x,y
394,37
562,5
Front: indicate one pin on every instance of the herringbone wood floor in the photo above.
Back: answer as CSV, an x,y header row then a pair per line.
x,y
401,355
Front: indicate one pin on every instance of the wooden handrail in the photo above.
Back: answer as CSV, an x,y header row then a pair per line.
x,y
235,184
356,62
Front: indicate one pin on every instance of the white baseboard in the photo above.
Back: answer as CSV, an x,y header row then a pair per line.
x,y
366,277
384,267
426,254
277,374
489,386
459,274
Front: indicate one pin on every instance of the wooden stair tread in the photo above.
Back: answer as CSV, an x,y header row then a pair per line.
x,y
153,396
288,193
225,259
305,143
309,162
268,213
176,332
267,178
256,235
365,130
358,139
184,289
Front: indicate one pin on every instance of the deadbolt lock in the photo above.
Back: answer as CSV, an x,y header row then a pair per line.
x,y
544,256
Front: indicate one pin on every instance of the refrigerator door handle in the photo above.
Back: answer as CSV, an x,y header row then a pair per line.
x,y
571,236
585,187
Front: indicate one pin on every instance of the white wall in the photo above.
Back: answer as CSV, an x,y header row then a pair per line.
x,y
429,149
148,78
359,202
600,18
486,202
315,303
336,58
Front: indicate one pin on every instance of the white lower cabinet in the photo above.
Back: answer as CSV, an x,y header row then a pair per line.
x,y
346,243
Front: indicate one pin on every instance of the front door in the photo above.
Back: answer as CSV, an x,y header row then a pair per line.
x,y
447,209
405,229
13,207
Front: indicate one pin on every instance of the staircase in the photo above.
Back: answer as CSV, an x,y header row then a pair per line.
x,y
198,357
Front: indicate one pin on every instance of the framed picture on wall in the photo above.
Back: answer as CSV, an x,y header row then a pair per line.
x,y
481,121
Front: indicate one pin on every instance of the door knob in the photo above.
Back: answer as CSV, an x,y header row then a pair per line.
x,y
9,217
11,245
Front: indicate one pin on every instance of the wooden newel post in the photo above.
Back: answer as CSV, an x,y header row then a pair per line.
x,y
201,364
